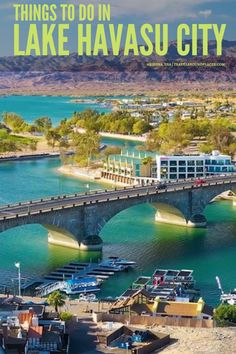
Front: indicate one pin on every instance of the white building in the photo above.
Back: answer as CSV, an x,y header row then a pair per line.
x,y
186,166
136,114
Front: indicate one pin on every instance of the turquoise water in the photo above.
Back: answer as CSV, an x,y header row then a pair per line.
x,y
124,144
132,234
32,107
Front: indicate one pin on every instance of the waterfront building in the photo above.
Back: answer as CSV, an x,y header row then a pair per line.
x,y
140,303
136,114
129,167
192,166
146,167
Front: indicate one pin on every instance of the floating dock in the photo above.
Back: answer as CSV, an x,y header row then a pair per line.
x,y
70,271
167,284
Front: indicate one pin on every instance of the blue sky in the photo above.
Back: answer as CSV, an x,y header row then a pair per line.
x,y
172,12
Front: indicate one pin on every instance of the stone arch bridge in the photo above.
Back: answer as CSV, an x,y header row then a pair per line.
x,y
76,220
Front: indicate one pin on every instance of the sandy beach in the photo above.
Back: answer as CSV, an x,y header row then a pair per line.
x,y
88,175
138,138
124,137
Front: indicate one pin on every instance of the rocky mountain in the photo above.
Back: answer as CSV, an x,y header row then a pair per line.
x,y
54,71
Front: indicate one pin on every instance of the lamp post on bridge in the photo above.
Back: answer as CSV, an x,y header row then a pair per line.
x,y
17,265
87,186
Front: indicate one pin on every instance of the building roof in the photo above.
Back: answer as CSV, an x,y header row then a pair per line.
x,y
128,301
131,156
37,309
214,155
35,332
174,308
119,304
25,317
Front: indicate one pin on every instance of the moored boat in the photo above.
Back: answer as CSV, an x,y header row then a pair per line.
x,y
122,261
226,298
81,286
229,298
182,277
111,265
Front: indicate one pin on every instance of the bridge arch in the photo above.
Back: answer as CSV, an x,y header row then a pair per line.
x,y
169,214
56,235
72,225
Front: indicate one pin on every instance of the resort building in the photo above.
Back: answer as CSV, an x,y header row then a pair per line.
x,y
192,166
146,167
129,167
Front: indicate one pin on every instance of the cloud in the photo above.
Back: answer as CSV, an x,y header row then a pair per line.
x,y
205,13
138,10
156,10
5,6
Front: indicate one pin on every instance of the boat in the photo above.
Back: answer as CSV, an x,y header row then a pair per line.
x,y
111,265
226,298
81,286
88,298
229,298
173,276
122,261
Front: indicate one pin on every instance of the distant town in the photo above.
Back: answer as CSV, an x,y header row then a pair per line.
x,y
166,130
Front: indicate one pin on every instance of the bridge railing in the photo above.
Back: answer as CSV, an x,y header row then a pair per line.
x,y
64,196
114,194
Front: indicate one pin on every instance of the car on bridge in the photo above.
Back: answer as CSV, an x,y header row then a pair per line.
x,y
161,186
199,182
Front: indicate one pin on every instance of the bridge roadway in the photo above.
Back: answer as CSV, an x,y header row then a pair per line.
x,y
68,201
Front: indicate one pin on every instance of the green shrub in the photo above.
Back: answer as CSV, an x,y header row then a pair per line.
x,y
225,314
66,316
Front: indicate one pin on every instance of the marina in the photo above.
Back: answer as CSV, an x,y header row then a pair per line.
x,y
167,284
76,277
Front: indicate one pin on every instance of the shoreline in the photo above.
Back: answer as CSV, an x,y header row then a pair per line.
x,y
123,137
137,138
30,156
22,156
83,174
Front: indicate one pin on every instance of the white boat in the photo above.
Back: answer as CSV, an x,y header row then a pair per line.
x,y
122,261
229,298
226,298
88,298
111,265
81,286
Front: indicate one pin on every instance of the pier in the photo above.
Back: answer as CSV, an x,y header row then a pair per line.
x,y
46,284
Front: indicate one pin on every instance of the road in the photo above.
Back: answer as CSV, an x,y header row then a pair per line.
x,y
83,338
68,201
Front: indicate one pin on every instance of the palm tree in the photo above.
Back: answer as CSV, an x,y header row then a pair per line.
x,y
147,162
57,299
33,145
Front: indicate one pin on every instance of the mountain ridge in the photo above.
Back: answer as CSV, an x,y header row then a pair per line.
x,y
50,70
